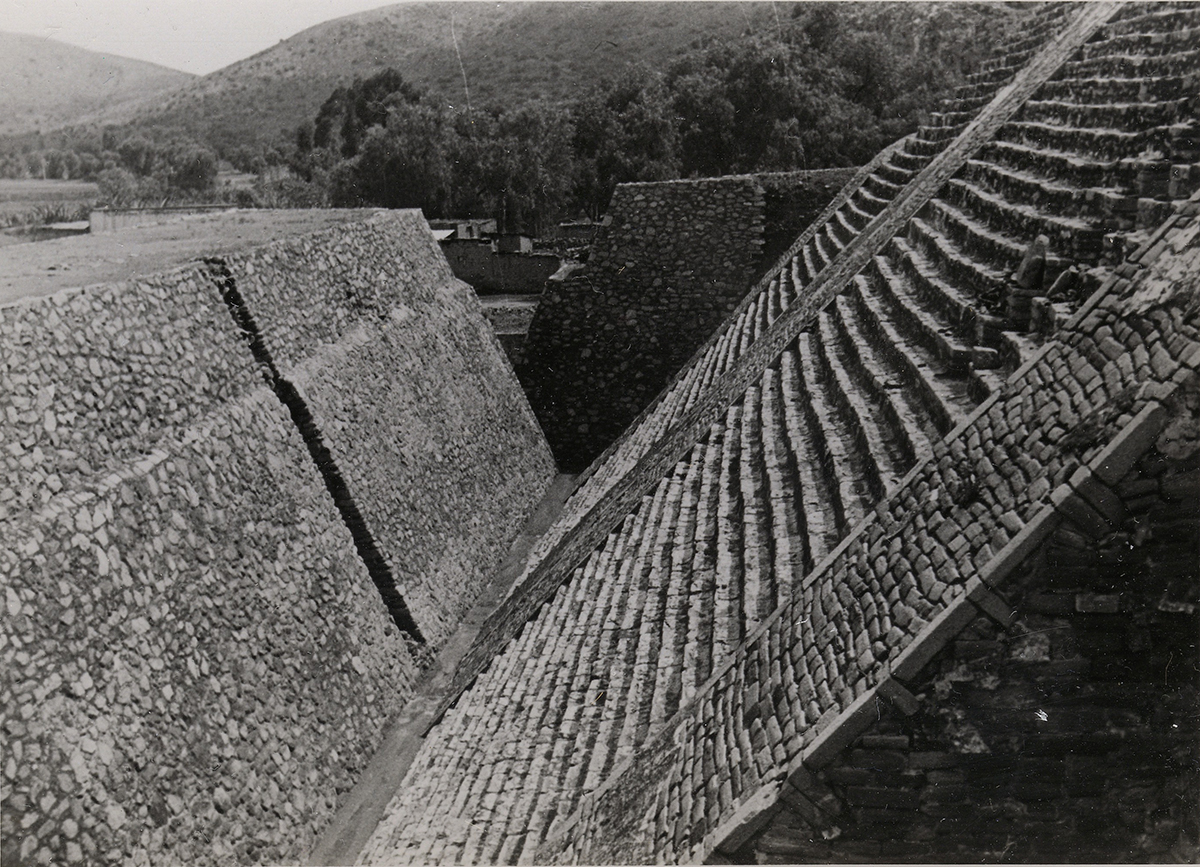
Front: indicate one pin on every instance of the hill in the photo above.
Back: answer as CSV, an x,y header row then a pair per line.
x,y
45,84
509,52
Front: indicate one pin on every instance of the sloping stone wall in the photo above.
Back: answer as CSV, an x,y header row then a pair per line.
x,y
194,664
673,260
91,380
411,392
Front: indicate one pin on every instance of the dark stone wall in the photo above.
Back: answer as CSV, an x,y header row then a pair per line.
x,y
792,200
671,262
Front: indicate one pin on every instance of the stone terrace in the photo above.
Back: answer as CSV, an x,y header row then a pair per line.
x,y
745,501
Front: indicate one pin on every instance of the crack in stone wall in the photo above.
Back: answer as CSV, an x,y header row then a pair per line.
x,y
335,483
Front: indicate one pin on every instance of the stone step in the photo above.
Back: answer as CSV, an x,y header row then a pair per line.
x,y
873,437
842,229
697,649
855,216
1130,64
927,144
942,392
759,595
707,372
743,337
1014,224
956,120
910,162
774,305
1114,88
896,174
826,250
993,230
869,202
834,437
795,283
913,426
1110,209
965,104
783,491
1117,115
821,508
727,618
895,297
881,187
1066,167
1100,144
648,614
957,269
1153,33
681,590
758,321
614,654
808,262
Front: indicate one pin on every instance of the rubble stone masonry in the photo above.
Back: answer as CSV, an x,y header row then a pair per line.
x,y
674,260
194,664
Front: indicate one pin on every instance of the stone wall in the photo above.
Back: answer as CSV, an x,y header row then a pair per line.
x,y
673,259
792,200
1065,735
194,664
104,220
91,380
411,392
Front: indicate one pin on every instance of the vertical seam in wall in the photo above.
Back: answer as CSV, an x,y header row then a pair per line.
x,y
364,542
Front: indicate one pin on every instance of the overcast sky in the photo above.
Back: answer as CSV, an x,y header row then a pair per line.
x,y
193,35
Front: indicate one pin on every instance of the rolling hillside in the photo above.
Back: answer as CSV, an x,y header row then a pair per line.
x,y
509,51
46,84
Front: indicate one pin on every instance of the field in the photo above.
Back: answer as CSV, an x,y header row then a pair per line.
x,y
33,201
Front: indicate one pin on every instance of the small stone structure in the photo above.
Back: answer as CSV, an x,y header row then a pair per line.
x,y
496,272
674,258
194,662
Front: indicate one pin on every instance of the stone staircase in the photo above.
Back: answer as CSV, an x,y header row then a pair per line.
x,y
867,196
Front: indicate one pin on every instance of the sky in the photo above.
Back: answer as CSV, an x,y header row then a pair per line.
x,y
197,36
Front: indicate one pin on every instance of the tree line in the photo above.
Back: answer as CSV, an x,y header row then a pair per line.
x,y
824,89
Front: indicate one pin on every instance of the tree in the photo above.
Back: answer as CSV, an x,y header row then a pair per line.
x,y
401,165
345,117
192,169
624,131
